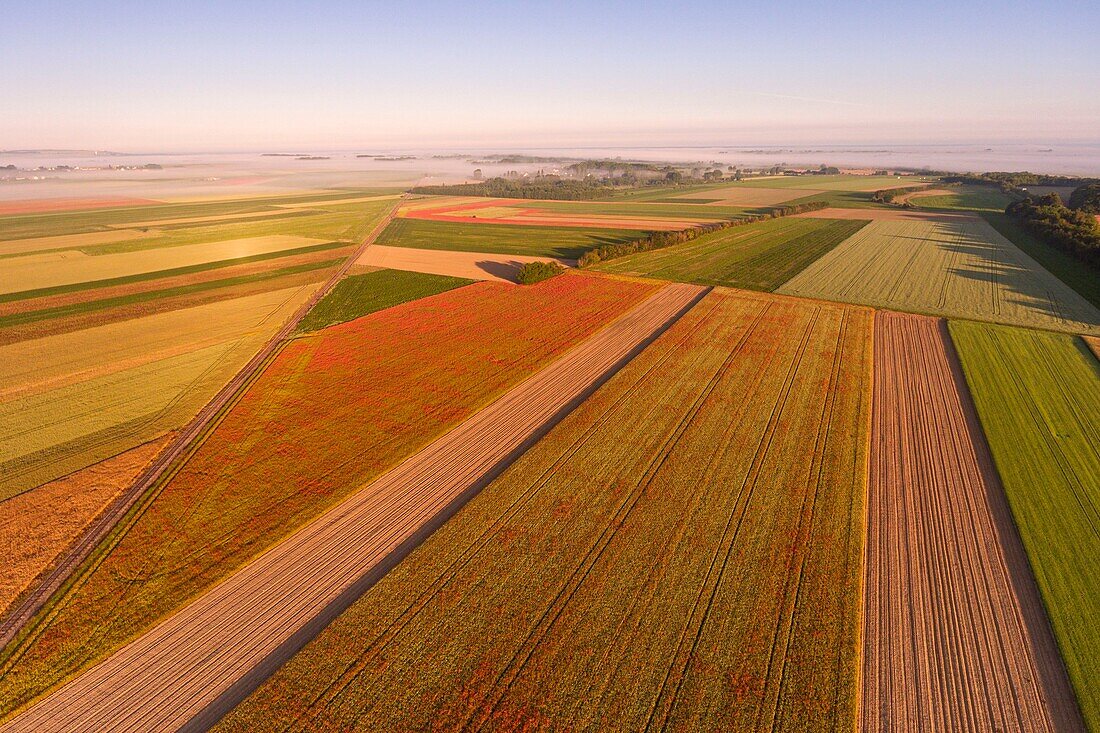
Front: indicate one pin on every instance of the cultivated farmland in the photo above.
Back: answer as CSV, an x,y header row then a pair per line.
x,y
682,552
955,636
960,267
362,294
216,641
467,265
70,400
1038,396
756,256
535,241
333,411
37,525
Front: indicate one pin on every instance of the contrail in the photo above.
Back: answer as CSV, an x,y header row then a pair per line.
x,y
809,99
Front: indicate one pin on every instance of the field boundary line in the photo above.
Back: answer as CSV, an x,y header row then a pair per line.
x,y
23,618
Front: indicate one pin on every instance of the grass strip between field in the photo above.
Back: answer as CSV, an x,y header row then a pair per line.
x,y
16,319
157,274
1038,397
359,295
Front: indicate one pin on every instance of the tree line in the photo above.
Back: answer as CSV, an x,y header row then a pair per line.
x,y
1071,230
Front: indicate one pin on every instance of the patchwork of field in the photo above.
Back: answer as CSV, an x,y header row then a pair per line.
x,y
533,241
36,526
955,636
737,194
756,256
333,411
54,270
520,211
468,265
834,183
681,553
70,400
1038,397
961,268
361,294
888,213
185,669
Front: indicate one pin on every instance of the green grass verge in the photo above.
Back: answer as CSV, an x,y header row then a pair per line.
x,y
1038,397
17,319
157,274
570,242
359,295
755,257
1070,270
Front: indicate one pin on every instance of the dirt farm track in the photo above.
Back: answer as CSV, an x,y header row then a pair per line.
x,y
187,671
955,636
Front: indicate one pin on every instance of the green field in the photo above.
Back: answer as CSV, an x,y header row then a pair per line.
x,y
359,295
972,198
669,208
1038,397
1083,278
567,242
959,268
756,256
682,552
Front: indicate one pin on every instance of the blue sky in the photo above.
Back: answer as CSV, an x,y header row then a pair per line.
x,y
250,75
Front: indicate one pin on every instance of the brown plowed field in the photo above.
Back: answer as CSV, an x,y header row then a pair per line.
x,y
887,215
955,636
37,525
204,658
472,265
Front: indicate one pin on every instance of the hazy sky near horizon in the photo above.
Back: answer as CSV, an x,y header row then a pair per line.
x,y
242,75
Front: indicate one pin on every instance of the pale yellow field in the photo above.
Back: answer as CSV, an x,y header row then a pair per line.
x,y
68,268
70,241
435,202
337,202
92,411
201,219
747,196
41,364
960,268
472,265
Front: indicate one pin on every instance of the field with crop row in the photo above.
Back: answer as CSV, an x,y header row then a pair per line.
x,y
961,268
69,400
537,241
48,271
756,257
681,553
37,525
362,294
63,223
467,265
971,198
213,642
518,212
1038,397
955,636
332,412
